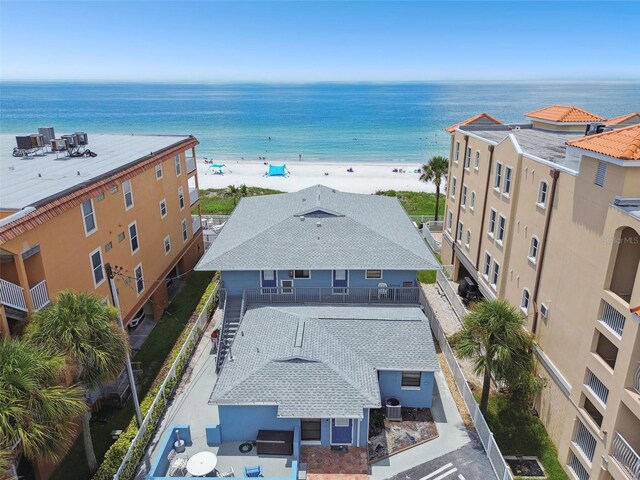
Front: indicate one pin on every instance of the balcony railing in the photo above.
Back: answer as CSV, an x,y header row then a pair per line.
x,y
39,295
585,441
333,295
12,295
626,456
577,468
613,319
428,229
636,380
195,223
193,195
597,387
191,164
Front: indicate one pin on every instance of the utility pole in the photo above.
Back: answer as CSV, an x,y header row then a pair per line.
x,y
116,303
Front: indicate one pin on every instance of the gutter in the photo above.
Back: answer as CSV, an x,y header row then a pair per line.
x,y
16,216
464,159
555,175
484,206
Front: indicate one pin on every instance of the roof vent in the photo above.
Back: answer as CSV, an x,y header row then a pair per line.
x,y
318,224
302,218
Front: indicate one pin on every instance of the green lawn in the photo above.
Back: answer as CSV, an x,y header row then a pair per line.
x,y
417,203
429,276
521,433
221,201
152,356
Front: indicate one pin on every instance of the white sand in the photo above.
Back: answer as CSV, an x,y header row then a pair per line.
x,y
366,178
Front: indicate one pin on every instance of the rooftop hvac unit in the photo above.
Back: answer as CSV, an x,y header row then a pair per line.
x,y
594,128
24,142
48,134
58,144
83,138
72,140
37,140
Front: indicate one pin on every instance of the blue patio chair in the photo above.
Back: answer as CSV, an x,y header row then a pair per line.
x,y
253,471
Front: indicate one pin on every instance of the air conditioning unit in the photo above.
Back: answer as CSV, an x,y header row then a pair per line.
x,y
594,128
24,142
48,134
544,310
72,140
83,138
37,140
58,144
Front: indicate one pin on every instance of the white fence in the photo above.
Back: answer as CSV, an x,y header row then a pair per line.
x,y
12,295
426,231
147,423
486,437
451,295
39,295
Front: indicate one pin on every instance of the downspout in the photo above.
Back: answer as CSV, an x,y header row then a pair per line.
x,y
464,159
555,175
484,206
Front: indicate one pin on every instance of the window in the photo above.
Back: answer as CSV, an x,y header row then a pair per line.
x,y
454,181
128,194
139,279
498,178
477,162
167,244
88,217
108,246
507,180
121,237
268,275
472,203
114,189
468,239
133,237
542,194
533,249
449,221
311,430
459,232
457,152
100,197
185,235
95,259
342,422
158,171
524,305
181,198
163,208
178,166
464,196
301,274
496,275
340,274
502,222
487,265
467,159
410,379
373,274
492,222
600,174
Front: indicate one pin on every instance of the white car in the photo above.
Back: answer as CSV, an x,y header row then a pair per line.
x,y
137,318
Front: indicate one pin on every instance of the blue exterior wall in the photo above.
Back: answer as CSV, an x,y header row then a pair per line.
x,y
161,465
241,423
391,386
364,428
236,281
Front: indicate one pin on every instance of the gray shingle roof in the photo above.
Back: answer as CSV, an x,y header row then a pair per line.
x,y
355,232
320,362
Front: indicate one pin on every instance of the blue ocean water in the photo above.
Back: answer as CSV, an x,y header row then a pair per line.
x,y
327,121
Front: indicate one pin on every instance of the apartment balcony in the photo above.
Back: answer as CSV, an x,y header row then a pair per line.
x,y
432,233
13,296
631,394
191,164
626,460
193,195
195,224
613,319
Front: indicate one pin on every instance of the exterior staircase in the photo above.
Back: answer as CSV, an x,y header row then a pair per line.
x,y
231,321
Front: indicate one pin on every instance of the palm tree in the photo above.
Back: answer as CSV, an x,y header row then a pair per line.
x,y
434,170
493,337
84,329
36,411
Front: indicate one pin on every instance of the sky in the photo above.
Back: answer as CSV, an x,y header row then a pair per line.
x,y
305,41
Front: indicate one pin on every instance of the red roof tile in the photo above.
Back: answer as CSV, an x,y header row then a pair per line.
x,y
622,143
564,113
473,119
622,118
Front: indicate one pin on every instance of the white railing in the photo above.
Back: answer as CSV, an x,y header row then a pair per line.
x,y
39,295
12,295
597,387
626,456
577,468
613,319
452,296
585,441
191,164
148,421
332,295
636,380
482,428
193,195
195,224
435,244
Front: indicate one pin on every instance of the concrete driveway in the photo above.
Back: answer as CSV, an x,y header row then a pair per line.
x,y
138,335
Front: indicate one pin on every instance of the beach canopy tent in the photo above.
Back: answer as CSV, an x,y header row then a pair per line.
x,y
277,171
218,166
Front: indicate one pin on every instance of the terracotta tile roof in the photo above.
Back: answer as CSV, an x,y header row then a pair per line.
x,y
622,143
564,113
622,118
473,119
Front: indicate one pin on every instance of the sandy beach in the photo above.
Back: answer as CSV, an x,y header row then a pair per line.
x,y
365,178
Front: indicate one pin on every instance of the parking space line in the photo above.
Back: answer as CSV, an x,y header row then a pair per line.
x,y
441,469
446,474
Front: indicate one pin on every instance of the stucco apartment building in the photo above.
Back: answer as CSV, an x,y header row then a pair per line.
x,y
65,214
546,214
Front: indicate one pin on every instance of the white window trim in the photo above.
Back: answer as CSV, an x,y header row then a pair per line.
x,y
166,211
301,278
164,244
124,195
264,277
410,387
184,231
486,264
490,231
463,197
104,275
456,152
494,285
159,169
178,165
367,277
472,201
546,195
341,420
467,159
500,241
460,232
335,274
467,239
534,260
497,179
508,180
84,223
449,220
181,195
522,307
454,186
137,237
476,164
136,279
